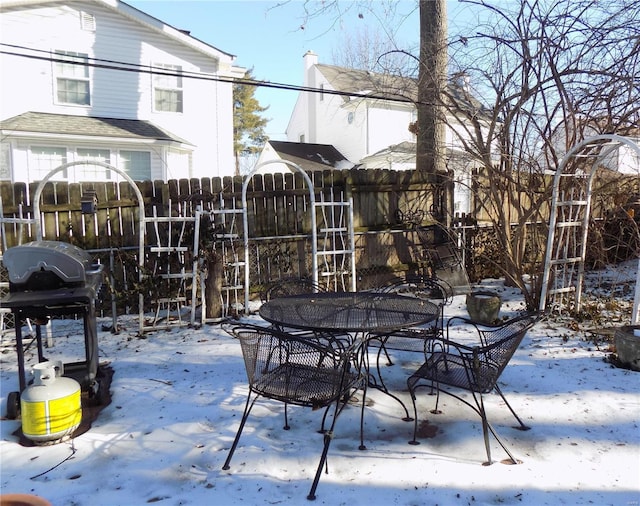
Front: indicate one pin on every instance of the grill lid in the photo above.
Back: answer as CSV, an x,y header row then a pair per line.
x,y
68,262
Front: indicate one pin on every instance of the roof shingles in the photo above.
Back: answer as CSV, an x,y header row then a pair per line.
x,y
63,124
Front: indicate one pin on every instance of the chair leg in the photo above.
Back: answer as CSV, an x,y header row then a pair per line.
x,y
324,417
522,426
436,386
364,397
414,441
486,427
245,415
386,353
286,418
328,436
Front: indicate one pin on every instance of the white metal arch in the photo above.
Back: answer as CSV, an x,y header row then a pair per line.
x,y
565,262
245,222
141,216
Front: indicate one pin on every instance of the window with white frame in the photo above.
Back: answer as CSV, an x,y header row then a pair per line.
x,y
137,164
167,88
43,159
91,172
72,78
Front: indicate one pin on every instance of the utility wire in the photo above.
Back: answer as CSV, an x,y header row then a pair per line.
x,y
39,54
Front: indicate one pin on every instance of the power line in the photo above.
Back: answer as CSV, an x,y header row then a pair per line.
x,y
43,55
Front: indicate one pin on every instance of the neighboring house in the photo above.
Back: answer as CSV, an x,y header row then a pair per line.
x,y
307,156
623,159
403,157
368,120
101,80
395,157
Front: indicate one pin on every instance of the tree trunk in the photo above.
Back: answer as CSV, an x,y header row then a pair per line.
x,y
432,80
213,286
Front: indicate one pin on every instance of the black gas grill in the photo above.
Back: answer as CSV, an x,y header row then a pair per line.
x,y
52,279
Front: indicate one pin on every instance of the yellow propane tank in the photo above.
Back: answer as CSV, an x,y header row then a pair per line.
x,y
51,408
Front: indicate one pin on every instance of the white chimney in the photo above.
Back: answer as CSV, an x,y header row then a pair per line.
x,y
310,59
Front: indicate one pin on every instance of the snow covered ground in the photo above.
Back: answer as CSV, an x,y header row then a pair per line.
x,y
177,398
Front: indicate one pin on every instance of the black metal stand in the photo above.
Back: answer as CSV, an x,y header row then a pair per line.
x,y
40,306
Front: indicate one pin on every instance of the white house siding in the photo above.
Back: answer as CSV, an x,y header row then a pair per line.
x,y
388,125
629,159
207,117
624,159
268,154
332,126
325,120
297,127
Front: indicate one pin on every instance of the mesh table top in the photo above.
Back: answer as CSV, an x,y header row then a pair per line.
x,y
349,311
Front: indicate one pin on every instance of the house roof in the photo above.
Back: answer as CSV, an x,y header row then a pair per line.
x,y
182,35
387,86
63,124
311,156
362,81
405,153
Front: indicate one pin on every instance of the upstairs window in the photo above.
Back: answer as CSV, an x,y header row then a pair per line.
x,y
72,78
167,88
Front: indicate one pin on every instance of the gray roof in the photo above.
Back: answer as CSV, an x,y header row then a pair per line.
x,y
63,124
387,86
311,156
357,81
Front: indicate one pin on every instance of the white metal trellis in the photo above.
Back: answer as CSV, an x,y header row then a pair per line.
x,y
336,244
18,224
569,222
168,266
225,241
141,228
245,220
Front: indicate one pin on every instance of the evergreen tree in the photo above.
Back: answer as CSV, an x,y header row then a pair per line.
x,y
248,126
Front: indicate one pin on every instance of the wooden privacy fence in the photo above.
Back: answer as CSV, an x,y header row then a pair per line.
x,y
387,205
278,219
277,204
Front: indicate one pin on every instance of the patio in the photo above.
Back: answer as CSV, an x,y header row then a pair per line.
x,y
177,397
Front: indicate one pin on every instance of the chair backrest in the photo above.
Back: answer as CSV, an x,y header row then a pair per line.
x,y
431,288
498,346
290,286
291,368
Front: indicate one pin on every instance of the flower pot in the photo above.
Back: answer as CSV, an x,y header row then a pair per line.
x,y
22,500
628,346
483,306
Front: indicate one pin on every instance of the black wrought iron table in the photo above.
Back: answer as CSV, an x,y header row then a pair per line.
x,y
354,313
357,312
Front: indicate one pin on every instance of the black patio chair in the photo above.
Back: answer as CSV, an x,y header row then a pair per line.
x,y
474,368
290,286
415,339
433,289
294,370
